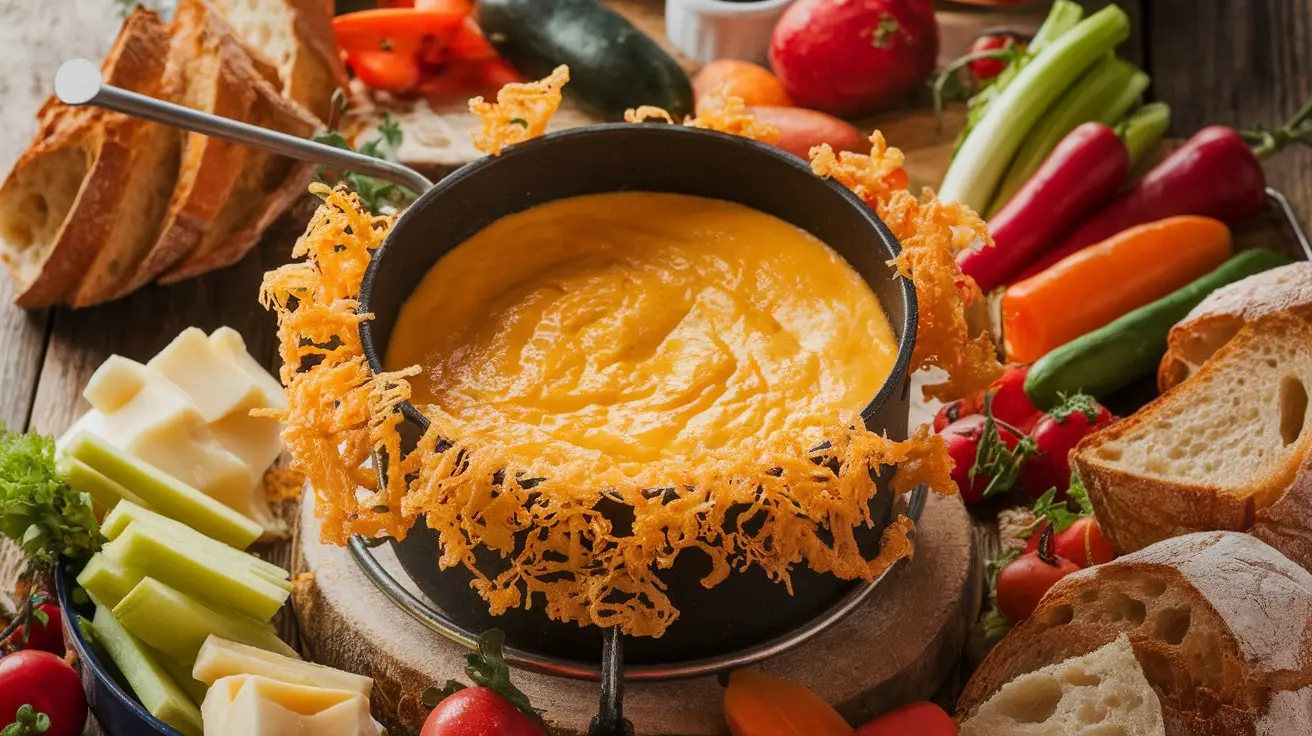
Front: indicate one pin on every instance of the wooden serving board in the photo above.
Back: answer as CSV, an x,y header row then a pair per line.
x,y
899,646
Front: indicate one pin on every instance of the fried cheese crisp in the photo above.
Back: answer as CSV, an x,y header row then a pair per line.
x,y
522,111
931,232
723,114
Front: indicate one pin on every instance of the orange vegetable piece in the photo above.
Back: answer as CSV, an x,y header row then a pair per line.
x,y
756,704
919,718
464,7
1092,287
752,83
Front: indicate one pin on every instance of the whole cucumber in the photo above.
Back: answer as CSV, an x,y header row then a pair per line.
x,y
1112,357
613,66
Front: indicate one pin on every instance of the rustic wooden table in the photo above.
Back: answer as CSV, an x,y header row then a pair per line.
x,y
1230,62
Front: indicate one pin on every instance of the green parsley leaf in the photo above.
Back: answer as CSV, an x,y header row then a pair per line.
x,y
1059,513
374,193
997,462
38,510
994,624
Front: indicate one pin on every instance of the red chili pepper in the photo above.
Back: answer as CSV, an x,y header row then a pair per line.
x,y
1215,174
1084,171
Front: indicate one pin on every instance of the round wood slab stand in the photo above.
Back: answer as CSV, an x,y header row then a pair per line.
x,y
899,646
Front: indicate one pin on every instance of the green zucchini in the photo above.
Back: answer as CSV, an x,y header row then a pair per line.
x,y
1114,356
613,66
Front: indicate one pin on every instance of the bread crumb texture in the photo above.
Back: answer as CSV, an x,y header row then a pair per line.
x,y
544,521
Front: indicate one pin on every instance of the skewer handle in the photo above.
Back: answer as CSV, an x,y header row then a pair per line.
x,y
78,82
610,721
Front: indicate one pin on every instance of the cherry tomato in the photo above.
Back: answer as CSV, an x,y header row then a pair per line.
x,y
47,637
1009,402
1022,583
49,685
1055,435
1084,543
962,438
920,719
478,711
959,409
986,69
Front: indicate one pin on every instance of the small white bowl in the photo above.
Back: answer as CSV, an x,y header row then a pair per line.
x,y
706,30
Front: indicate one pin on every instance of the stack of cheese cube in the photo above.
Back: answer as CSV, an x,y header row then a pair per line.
x,y
174,461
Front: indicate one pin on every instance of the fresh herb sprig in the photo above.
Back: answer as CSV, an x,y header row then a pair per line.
x,y
374,193
38,510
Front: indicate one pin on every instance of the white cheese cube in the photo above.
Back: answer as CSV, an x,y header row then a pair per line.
x,y
217,387
249,705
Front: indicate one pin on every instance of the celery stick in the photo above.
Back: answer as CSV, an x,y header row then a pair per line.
x,y
1103,95
129,513
158,693
105,580
178,626
181,674
976,172
164,493
82,477
1142,131
1063,16
219,583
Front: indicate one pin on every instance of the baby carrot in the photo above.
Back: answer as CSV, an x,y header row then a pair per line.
x,y
1094,286
756,704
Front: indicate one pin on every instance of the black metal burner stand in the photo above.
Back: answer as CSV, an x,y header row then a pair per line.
x,y
610,721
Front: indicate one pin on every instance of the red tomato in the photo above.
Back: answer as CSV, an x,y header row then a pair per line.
x,y
851,57
959,409
914,719
47,637
963,438
1022,583
1009,402
1084,544
1055,435
478,711
986,69
49,685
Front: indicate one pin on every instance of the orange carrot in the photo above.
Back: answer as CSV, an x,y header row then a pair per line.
x,y
756,704
1094,286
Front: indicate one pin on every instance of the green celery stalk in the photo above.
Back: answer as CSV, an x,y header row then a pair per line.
x,y
1142,131
1064,16
978,169
1104,94
161,696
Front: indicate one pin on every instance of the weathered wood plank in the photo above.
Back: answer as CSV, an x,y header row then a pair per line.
x,y
1237,62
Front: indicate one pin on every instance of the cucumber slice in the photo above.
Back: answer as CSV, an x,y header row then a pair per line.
x,y
158,693
106,581
218,582
130,513
164,493
178,626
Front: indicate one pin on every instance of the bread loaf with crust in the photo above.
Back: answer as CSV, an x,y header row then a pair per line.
x,y
1214,451
1220,623
1217,319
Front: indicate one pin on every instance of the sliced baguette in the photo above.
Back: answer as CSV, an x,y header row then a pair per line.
x,y
215,75
266,184
1102,693
1287,523
1219,317
296,37
1213,451
77,200
1220,623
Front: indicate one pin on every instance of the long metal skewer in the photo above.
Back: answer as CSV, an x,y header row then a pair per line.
x,y
79,83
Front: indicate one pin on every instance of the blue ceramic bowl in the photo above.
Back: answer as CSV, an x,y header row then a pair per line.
x,y
112,703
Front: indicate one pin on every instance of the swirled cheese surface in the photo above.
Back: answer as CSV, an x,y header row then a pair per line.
x,y
637,326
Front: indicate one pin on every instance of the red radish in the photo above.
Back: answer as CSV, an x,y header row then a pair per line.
x,y
849,57
1082,173
1055,435
1009,402
1214,174
801,129
48,685
478,711
963,439
1025,580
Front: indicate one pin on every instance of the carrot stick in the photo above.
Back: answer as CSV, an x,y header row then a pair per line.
x,y
1094,286
756,704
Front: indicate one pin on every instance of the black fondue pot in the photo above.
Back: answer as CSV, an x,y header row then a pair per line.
x,y
747,608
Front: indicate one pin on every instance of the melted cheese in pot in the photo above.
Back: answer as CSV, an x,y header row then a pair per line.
x,y
638,326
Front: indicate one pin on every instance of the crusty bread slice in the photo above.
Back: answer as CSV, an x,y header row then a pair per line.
x,y
1219,317
1102,693
1287,523
1211,452
263,189
296,36
87,191
214,75
1220,622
